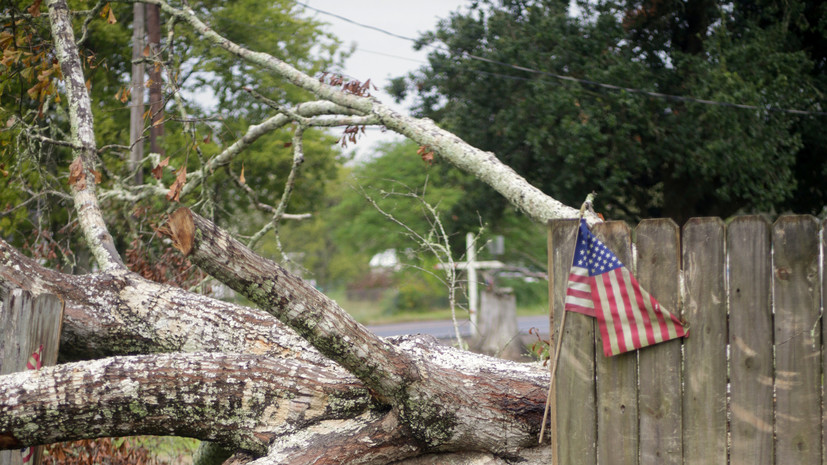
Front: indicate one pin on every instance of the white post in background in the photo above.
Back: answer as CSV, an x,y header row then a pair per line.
x,y
473,295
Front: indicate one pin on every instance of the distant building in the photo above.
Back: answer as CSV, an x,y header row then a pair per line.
x,y
387,260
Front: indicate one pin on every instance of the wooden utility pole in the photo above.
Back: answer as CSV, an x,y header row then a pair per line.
x,y
136,114
156,80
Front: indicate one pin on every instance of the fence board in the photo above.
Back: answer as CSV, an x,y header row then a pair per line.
x,y
705,369
750,333
575,385
26,323
658,266
617,423
823,345
798,355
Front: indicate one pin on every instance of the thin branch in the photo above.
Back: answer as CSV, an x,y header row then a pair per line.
x,y
436,241
90,16
252,195
298,159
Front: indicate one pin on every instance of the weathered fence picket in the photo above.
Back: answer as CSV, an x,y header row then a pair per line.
x,y
658,263
576,425
746,387
617,390
705,377
26,323
750,340
798,374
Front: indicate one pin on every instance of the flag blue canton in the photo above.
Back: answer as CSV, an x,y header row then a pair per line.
x,y
592,254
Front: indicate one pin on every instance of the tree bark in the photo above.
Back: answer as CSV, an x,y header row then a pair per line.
x,y
243,401
474,402
83,135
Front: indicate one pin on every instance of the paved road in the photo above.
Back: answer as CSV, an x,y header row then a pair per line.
x,y
445,329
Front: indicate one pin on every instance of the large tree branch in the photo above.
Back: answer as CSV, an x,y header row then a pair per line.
x,y
372,437
122,313
426,391
239,401
483,165
82,176
311,314
464,401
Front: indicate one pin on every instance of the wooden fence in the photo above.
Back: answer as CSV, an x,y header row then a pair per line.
x,y
27,325
745,387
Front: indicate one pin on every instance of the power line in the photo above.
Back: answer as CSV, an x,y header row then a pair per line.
x,y
612,87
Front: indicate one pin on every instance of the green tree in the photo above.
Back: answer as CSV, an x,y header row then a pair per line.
x,y
646,156
194,72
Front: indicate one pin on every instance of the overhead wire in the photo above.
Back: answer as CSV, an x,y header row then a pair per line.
x,y
588,82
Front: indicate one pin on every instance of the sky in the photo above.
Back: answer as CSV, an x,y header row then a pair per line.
x,y
380,57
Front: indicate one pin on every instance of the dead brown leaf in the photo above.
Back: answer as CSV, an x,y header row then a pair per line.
x,y
34,10
427,155
174,193
158,170
76,175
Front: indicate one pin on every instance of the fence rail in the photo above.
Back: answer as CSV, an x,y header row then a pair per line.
x,y
746,387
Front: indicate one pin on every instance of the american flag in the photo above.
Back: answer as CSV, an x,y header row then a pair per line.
x,y
600,286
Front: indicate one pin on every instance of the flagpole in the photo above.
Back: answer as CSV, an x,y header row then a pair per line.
x,y
586,204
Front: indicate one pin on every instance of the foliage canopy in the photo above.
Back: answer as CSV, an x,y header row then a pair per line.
x,y
646,156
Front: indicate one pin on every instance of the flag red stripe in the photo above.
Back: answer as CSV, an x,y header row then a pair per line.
x,y
643,312
601,319
664,328
611,302
630,307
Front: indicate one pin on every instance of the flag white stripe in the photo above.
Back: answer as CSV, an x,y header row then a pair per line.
x,y
577,301
605,310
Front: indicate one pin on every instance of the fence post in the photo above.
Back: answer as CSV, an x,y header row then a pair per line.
x,y
27,323
497,324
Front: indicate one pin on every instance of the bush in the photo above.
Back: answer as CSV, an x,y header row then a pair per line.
x,y
527,293
417,291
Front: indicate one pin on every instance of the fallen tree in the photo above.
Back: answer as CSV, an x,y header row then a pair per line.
x,y
296,380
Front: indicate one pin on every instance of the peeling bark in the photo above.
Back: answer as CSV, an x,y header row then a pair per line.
x,y
460,402
243,401
309,312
